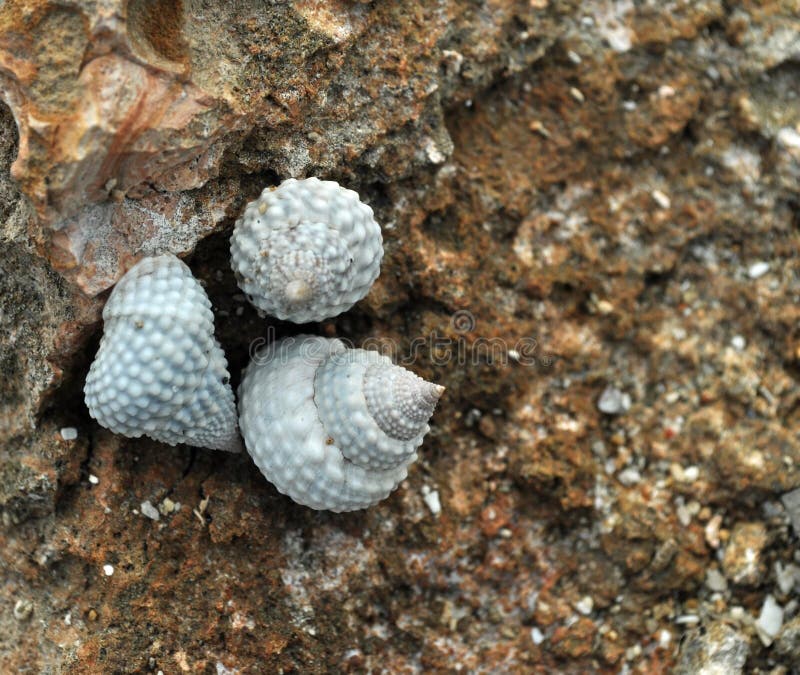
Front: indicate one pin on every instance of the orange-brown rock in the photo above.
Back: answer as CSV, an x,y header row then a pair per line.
x,y
576,199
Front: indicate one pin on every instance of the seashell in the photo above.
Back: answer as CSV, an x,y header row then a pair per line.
x,y
159,371
331,427
306,250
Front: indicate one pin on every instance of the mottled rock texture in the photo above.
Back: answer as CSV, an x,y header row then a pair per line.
x,y
574,197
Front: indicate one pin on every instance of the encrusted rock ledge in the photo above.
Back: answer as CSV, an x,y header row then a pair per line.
x,y
590,216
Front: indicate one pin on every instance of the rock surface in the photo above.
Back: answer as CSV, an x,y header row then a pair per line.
x,y
715,650
576,198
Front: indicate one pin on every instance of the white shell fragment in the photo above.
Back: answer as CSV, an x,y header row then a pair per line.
x,y
159,371
306,250
333,428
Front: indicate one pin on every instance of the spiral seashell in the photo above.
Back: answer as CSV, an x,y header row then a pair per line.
x,y
159,371
306,250
331,427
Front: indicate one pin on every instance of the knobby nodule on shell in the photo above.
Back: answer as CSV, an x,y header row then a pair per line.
x,y
331,427
159,371
307,250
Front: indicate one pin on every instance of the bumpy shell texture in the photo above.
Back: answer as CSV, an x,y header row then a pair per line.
x,y
159,371
306,250
331,427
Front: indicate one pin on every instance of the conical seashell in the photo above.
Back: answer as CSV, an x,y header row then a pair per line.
x,y
159,371
306,250
333,428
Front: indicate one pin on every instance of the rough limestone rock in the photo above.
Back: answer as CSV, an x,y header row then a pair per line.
x,y
575,198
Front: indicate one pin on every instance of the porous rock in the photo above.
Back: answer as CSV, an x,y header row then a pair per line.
x,y
571,195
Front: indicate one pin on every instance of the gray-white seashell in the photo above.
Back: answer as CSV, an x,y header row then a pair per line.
x,y
331,427
306,250
160,372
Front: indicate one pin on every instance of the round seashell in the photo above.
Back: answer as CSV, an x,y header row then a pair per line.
x,y
159,371
306,250
331,427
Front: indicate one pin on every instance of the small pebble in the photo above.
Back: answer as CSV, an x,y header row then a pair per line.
x,y
789,138
737,613
787,577
604,307
613,401
585,605
677,472
577,94
683,513
633,653
149,510
431,498
537,636
23,610
712,531
679,333
743,559
536,126
769,621
472,417
715,581
684,475
69,433
661,199
108,570
629,476
738,343
94,480
791,502
758,269
167,506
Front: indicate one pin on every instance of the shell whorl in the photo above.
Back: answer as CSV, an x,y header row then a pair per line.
x,y
308,423
400,402
159,370
306,250
374,411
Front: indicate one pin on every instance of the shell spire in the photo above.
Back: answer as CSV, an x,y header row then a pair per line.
x,y
159,371
333,428
306,250
400,402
